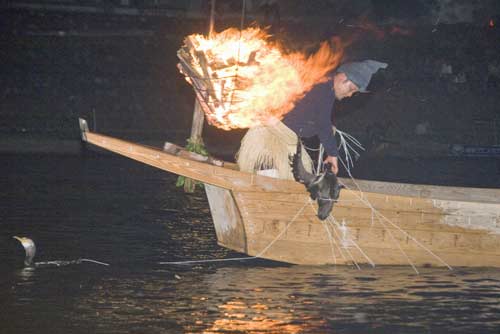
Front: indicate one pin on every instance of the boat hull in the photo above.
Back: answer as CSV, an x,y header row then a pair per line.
x,y
373,223
397,231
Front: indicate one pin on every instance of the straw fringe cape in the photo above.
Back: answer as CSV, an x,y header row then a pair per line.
x,y
269,147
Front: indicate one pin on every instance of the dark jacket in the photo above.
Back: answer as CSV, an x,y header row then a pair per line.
x,y
312,116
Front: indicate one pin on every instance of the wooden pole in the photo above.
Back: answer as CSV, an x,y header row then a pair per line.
x,y
198,115
212,16
197,125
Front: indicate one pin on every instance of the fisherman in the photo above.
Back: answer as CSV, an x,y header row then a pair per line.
x,y
313,114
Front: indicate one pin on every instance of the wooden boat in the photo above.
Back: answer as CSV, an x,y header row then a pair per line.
x,y
373,222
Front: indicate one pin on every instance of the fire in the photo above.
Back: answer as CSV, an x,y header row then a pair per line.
x,y
242,79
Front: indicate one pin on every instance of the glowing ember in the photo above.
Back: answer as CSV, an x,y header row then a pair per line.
x,y
242,79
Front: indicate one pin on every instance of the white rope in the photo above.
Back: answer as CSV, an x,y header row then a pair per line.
x,y
60,263
311,149
346,249
320,159
399,246
212,260
330,238
354,242
349,143
380,215
94,261
265,249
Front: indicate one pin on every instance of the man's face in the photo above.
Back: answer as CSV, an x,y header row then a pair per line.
x,y
343,86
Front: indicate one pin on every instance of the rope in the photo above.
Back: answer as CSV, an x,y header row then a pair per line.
x,y
94,261
320,159
380,215
60,263
350,143
265,249
334,222
212,260
347,143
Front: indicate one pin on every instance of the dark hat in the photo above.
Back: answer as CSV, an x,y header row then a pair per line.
x,y
360,72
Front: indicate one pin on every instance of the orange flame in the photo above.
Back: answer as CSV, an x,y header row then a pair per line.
x,y
252,79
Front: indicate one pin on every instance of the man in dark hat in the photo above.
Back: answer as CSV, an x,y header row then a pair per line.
x,y
312,115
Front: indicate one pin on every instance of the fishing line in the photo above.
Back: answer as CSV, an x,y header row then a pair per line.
x,y
265,249
94,261
380,215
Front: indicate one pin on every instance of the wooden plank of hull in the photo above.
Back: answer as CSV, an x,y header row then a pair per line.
x,y
322,254
366,238
480,195
227,219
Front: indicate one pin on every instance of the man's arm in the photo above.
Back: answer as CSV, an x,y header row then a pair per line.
x,y
327,138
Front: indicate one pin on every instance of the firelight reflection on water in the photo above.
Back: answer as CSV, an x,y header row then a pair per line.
x,y
134,217
299,299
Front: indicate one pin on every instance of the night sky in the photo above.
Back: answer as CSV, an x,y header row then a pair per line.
x,y
115,63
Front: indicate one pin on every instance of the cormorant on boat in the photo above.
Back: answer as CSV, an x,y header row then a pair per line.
x,y
323,188
30,249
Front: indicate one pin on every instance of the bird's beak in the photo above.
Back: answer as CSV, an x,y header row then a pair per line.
x,y
22,240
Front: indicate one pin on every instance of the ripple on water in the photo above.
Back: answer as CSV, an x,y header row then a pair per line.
x,y
134,217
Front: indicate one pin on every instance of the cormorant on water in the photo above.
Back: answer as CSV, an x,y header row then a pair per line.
x,y
30,249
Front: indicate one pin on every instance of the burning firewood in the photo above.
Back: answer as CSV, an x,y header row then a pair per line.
x,y
241,79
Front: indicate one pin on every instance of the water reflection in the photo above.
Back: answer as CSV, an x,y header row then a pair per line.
x,y
237,316
137,218
295,299
26,274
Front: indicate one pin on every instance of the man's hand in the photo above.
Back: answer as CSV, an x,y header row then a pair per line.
x,y
333,160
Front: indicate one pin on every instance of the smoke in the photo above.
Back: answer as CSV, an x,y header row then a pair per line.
x,y
462,11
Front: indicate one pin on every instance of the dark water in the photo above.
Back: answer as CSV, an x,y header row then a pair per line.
x,y
114,210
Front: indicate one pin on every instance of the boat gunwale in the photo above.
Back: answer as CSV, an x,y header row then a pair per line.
x,y
260,183
424,191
